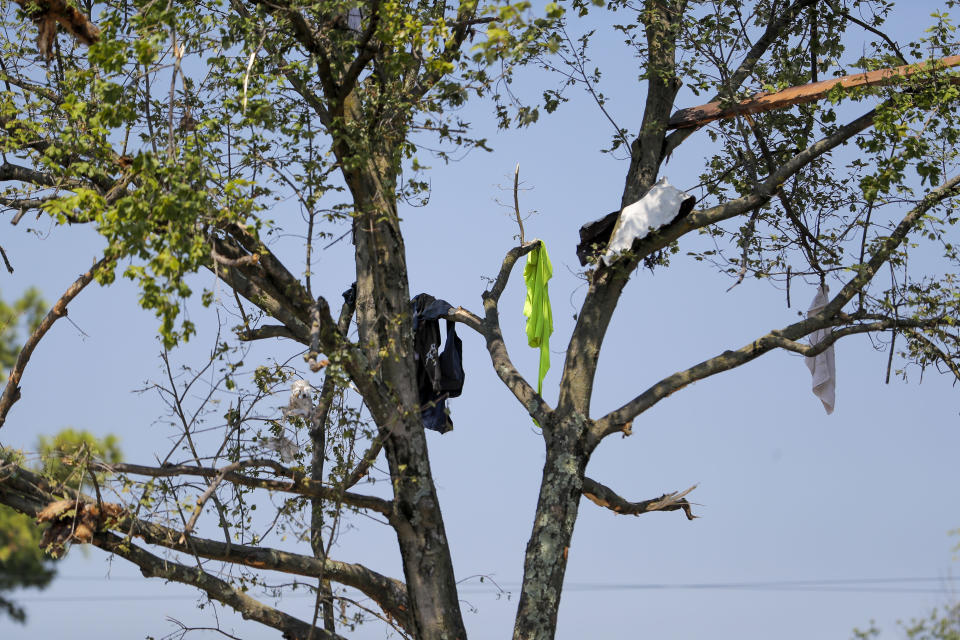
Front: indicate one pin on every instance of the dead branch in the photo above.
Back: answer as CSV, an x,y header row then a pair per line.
x,y
47,14
516,200
719,110
268,331
606,497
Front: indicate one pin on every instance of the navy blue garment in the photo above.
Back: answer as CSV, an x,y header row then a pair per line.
x,y
350,295
439,373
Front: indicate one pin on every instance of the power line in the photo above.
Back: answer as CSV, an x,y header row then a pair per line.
x,y
918,586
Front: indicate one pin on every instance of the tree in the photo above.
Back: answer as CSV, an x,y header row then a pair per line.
x,y
327,102
938,625
23,562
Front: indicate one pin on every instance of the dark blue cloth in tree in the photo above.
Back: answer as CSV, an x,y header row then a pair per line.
x,y
439,373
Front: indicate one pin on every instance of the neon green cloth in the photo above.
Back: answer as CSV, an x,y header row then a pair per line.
x,y
537,307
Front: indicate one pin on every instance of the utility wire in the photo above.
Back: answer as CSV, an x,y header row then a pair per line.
x,y
855,585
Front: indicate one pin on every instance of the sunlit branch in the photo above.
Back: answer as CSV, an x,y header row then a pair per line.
x,y
662,21
496,290
698,116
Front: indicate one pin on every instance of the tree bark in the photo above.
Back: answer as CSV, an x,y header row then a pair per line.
x,y
386,333
545,562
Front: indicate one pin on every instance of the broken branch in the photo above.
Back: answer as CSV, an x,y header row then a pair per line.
x,y
606,497
719,110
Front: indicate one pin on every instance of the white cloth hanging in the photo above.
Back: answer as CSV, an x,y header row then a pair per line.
x,y
301,400
823,366
284,446
661,205
354,19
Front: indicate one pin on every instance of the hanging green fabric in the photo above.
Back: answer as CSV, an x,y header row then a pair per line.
x,y
537,307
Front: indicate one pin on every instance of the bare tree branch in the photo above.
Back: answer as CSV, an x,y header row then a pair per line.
x,y
489,328
152,566
786,338
605,497
496,290
699,116
29,493
298,482
267,331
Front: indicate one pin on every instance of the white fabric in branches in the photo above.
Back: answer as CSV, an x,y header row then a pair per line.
x,y
823,366
283,445
659,207
299,406
354,19
301,400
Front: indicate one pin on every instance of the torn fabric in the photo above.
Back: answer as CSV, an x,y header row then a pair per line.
x,y
661,205
823,365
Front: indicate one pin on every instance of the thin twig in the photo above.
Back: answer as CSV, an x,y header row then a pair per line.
x,y
198,509
516,199
6,261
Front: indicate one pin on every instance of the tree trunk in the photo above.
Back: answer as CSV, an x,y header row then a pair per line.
x,y
546,558
385,329
427,565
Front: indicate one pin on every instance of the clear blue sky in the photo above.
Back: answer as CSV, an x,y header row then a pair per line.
x,y
786,493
